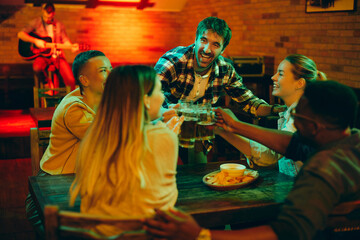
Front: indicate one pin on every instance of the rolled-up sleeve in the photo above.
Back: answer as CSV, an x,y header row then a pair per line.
x,y
167,73
298,151
241,94
31,26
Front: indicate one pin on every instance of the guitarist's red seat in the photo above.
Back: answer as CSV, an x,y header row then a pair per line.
x,y
50,78
49,91
52,68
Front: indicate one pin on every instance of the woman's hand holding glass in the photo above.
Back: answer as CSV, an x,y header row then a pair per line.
x,y
169,113
225,119
174,123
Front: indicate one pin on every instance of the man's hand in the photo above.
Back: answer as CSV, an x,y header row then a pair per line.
x,y
225,119
39,43
75,47
172,224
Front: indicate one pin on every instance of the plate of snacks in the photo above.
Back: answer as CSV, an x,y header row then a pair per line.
x,y
221,180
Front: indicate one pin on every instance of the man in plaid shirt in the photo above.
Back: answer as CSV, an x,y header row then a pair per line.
x,y
199,72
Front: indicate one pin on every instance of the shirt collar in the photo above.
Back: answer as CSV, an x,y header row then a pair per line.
x,y
286,113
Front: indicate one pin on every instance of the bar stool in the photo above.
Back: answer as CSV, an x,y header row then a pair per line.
x,y
53,92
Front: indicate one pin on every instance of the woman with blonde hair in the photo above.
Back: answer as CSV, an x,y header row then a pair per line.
x,y
126,165
289,82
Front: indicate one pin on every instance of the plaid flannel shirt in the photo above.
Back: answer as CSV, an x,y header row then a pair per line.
x,y
176,71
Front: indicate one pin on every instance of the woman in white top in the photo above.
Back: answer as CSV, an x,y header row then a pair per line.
x,y
126,165
289,83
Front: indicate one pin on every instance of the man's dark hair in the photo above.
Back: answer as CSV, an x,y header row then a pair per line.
x,y
334,102
217,25
79,62
49,7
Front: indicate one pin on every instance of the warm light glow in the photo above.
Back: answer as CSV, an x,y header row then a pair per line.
x,y
133,1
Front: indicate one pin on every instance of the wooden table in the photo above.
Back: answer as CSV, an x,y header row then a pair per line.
x,y
257,202
42,116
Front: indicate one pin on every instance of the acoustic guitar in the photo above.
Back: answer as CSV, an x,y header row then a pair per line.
x,y
29,51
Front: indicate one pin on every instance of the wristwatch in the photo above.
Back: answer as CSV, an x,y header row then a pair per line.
x,y
272,112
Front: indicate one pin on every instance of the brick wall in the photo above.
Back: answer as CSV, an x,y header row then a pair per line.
x,y
260,27
125,35
281,27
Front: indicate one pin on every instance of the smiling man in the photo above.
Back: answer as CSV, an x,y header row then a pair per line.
x,y
75,112
199,72
71,119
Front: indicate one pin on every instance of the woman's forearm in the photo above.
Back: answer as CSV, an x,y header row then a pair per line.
x,y
239,142
274,139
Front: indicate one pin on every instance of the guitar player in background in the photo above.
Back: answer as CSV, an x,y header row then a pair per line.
x,y
46,54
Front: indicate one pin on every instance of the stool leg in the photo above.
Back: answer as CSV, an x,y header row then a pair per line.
x,y
36,97
56,81
44,103
51,82
36,80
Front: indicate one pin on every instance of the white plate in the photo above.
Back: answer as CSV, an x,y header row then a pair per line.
x,y
208,177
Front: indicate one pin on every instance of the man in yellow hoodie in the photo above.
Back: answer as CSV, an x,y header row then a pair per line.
x,y
71,119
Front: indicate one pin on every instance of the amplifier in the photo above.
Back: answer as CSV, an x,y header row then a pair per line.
x,y
256,72
249,66
253,66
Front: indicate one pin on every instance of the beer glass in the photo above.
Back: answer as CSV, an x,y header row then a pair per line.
x,y
184,104
187,133
205,125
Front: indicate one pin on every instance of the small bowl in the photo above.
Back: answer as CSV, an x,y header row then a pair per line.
x,y
233,169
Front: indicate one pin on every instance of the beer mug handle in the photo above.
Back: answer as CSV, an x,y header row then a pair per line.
x,y
212,115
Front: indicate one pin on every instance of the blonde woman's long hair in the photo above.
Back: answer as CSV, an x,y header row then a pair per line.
x,y
112,151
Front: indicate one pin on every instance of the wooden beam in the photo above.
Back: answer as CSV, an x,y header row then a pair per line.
x,y
144,4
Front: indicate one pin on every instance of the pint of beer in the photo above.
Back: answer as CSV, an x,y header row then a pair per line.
x,y
188,130
187,133
205,125
206,130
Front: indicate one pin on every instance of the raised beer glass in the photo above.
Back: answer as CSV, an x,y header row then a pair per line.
x,y
187,133
205,125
